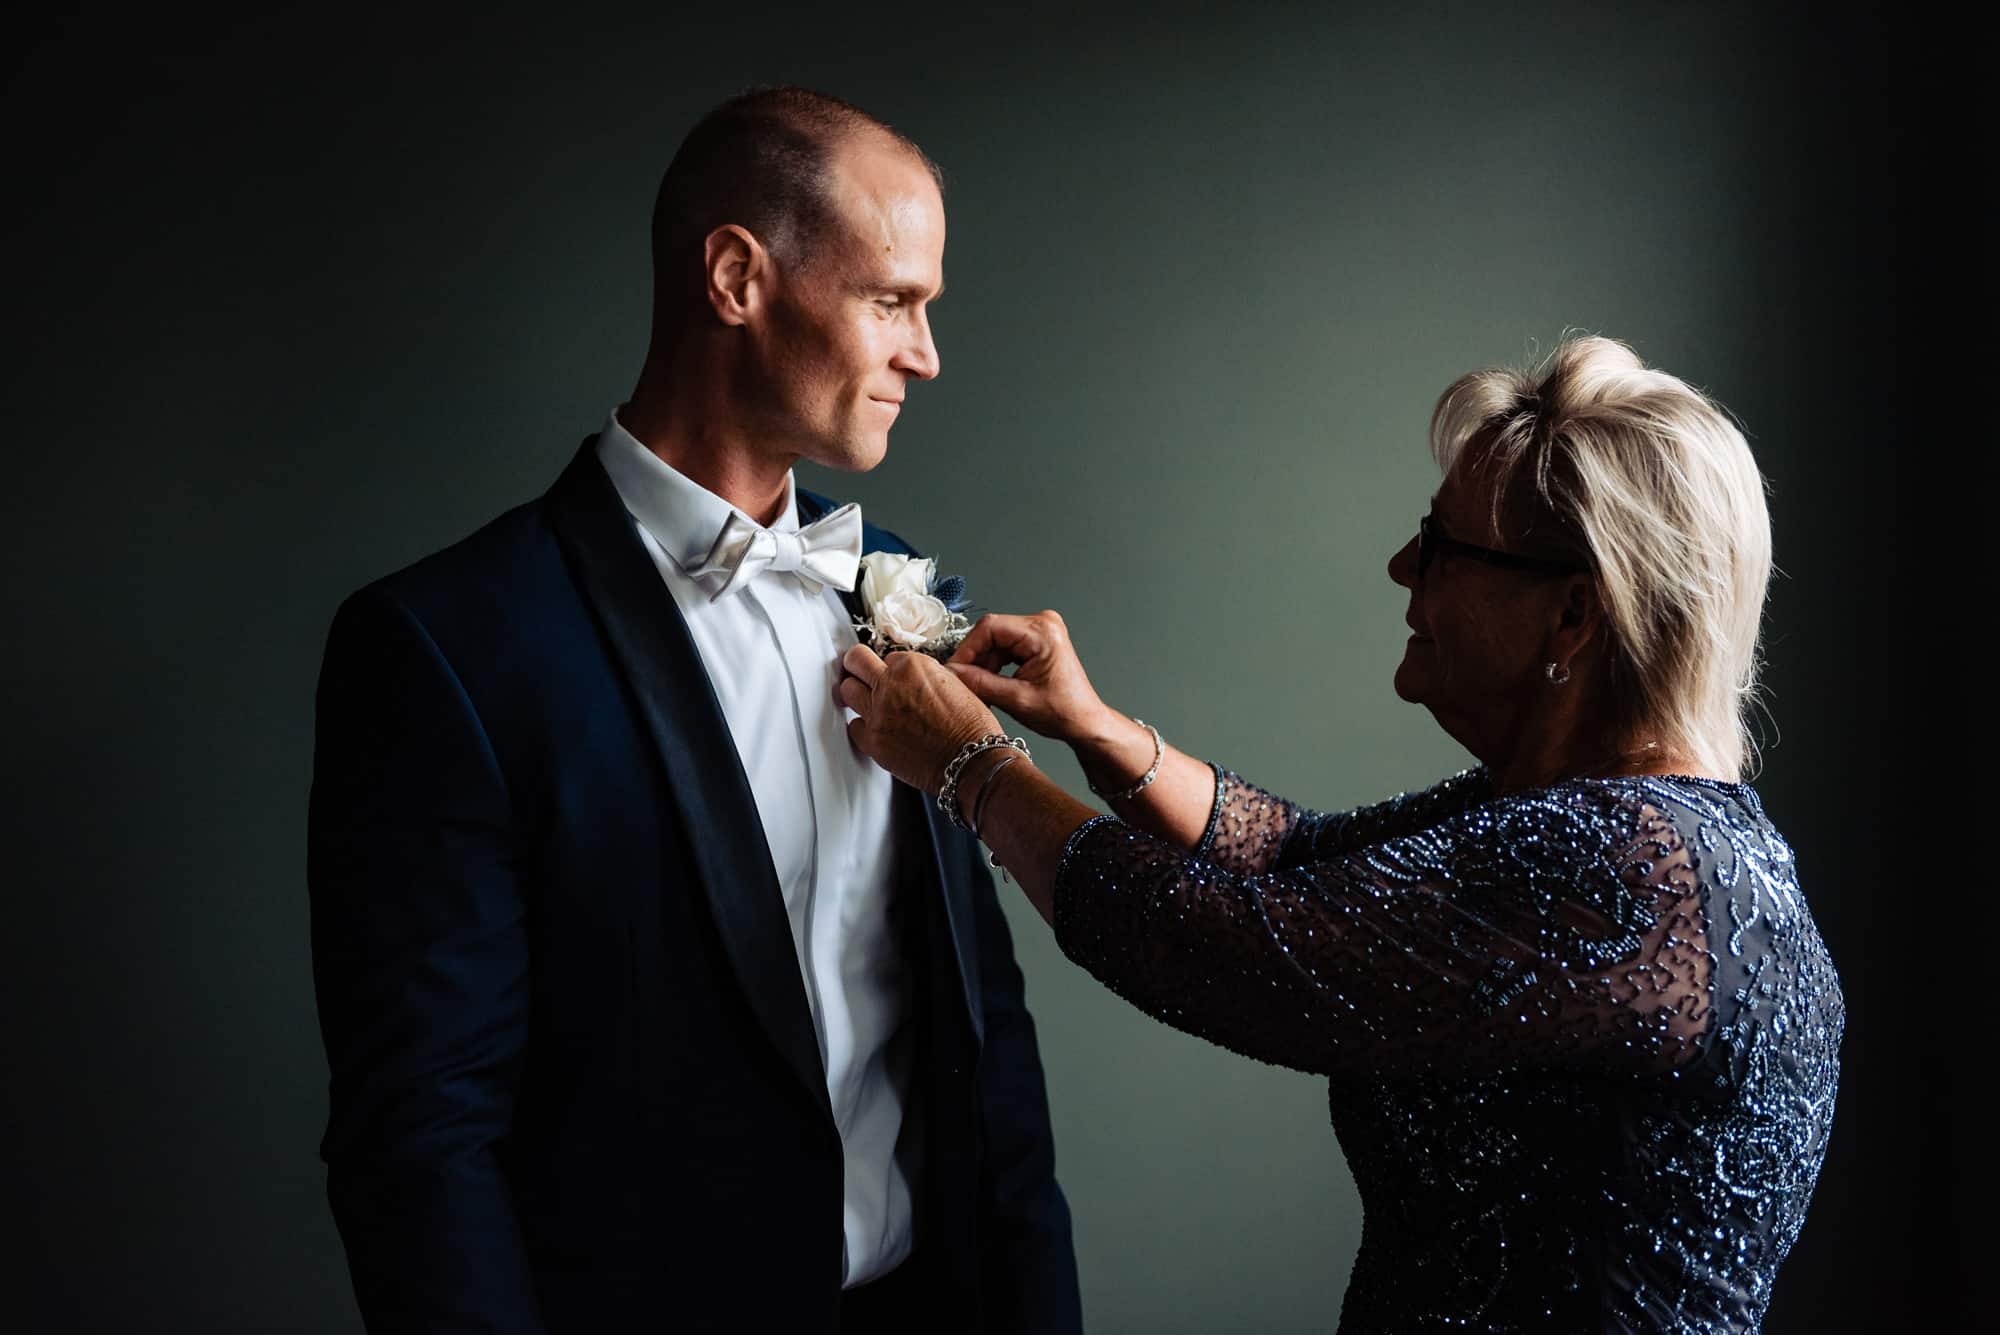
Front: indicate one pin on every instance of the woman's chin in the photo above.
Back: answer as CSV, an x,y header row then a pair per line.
x,y
1411,674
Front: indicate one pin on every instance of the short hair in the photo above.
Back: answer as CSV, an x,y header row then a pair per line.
x,y
1648,482
759,160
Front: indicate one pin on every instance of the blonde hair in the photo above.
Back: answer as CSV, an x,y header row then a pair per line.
x,y
1650,483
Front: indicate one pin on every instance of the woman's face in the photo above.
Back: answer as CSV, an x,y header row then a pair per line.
x,y
1477,631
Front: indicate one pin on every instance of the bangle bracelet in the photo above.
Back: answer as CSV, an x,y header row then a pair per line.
x,y
947,797
1159,753
986,791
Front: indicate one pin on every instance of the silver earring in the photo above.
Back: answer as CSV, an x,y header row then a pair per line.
x,y
1557,673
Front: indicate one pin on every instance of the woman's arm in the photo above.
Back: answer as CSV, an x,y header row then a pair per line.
x,y
1192,804
1050,694
1257,831
1179,805
1026,820
913,717
1568,926
1527,930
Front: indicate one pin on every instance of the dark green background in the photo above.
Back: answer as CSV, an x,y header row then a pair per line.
x,y
298,300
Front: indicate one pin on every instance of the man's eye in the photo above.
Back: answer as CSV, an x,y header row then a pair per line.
x,y
889,303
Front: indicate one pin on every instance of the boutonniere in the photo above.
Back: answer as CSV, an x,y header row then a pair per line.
x,y
909,607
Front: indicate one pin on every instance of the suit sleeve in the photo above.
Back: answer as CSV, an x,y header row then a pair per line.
x,y
1028,1264
420,967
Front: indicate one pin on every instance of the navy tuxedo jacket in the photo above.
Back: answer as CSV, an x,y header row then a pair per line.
x,y
575,1084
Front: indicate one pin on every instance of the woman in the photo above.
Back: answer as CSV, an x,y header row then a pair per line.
x,y
1581,1033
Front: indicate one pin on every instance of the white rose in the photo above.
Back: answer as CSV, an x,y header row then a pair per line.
x,y
885,573
912,619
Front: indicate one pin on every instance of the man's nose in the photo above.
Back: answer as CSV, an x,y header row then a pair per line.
x,y
919,356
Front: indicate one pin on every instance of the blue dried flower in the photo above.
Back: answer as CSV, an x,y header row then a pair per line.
x,y
950,591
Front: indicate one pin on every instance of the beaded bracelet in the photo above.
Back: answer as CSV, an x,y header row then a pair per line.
x,y
947,797
1159,753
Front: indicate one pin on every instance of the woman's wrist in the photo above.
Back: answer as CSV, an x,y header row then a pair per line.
x,y
973,778
961,741
954,788
1114,751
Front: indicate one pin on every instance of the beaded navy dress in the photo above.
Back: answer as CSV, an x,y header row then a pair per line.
x,y
1581,1041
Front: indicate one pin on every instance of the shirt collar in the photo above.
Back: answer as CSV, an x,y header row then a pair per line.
x,y
683,516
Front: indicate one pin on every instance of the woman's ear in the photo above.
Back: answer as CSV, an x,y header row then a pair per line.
x,y
1581,614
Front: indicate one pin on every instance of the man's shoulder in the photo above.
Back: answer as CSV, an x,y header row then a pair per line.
x,y
499,563
874,537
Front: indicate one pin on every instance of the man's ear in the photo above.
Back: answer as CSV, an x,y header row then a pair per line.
x,y
738,273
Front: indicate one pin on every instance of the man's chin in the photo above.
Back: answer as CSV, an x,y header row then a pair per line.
x,y
855,456
874,453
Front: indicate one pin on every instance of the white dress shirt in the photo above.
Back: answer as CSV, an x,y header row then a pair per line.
x,y
772,651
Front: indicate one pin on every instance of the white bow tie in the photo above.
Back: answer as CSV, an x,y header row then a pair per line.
x,y
826,551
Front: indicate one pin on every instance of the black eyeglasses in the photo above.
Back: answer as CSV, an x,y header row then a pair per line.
x,y
1431,540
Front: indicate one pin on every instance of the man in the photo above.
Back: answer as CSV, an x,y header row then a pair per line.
x,y
650,1003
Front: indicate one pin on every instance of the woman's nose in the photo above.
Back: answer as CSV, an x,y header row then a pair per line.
x,y
1403,565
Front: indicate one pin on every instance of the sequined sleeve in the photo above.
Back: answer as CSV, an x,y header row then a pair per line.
x,y
1533,929
1251,830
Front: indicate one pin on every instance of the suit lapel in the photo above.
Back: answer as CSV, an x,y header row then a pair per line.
x,y
939,851
649,642
949,870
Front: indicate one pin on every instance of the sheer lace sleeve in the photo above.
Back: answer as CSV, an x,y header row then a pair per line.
x,y
1251,830
1563,925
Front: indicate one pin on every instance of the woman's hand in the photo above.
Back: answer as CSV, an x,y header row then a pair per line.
x,y
915,716
1049,692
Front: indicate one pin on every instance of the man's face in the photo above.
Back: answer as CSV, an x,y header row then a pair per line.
x,y
848,326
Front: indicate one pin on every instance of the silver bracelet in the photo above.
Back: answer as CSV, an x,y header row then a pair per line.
x,y
986,791
947,797
1159,753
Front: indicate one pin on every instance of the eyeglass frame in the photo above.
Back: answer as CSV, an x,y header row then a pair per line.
x,y
1431,540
